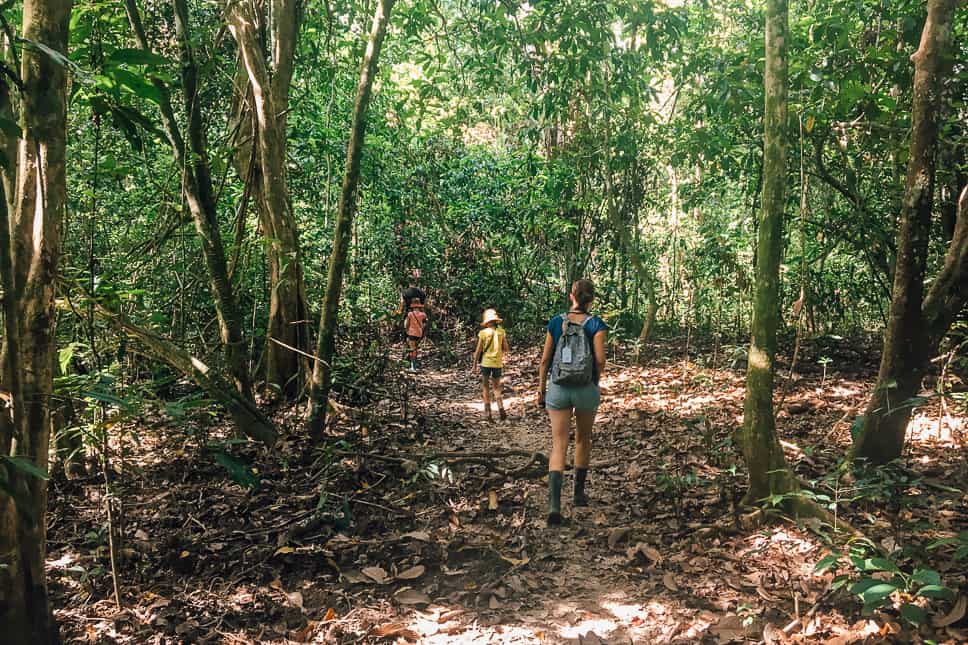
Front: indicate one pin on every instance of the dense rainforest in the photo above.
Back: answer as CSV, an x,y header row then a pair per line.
x,y
258,258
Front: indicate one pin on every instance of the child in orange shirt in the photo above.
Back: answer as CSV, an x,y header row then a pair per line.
x,y
416,326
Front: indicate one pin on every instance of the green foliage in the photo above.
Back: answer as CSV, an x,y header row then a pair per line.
x,y
876,580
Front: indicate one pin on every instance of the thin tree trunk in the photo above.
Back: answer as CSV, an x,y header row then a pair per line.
x,y
262,108
768,471
244,412
39,208
325,349
907,341
199,194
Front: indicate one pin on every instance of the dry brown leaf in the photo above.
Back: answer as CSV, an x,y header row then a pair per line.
x,y
354,576
957,613
377,574
394,630
412,573
412,597
616,535
423,536
330,614
729,629
669,581
773,635
492,500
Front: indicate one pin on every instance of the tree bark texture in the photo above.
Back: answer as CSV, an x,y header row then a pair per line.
x,y
39,207
907,340
199,194
243,411
262,108
325,348
768,471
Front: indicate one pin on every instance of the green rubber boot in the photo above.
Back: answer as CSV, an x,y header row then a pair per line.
x,y
581,499
554,497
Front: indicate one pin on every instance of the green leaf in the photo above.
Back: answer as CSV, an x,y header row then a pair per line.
x,y
882,564
926,577
238,471
137,57
839,582
913,614
863,585
935,591
25,466
826,563
876,594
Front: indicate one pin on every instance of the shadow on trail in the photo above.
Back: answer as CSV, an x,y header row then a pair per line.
x,y
365,538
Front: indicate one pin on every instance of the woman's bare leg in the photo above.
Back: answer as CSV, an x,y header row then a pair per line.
x,y
560,426
584,421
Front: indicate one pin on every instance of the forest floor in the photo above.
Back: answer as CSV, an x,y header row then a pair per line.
x,y
430,528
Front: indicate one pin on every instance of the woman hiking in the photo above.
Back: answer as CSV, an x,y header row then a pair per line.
x,y
573,361
492,345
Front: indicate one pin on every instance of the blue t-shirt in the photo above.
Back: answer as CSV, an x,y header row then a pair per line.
x,y
593,325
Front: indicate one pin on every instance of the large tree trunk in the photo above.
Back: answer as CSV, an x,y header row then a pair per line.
x,y
199,194
768,471
40,204
325,349
908,343
263,105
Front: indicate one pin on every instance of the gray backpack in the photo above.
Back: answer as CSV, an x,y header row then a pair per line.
x,y
574,361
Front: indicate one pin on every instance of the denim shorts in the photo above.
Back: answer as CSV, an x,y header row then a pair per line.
x,y
584,398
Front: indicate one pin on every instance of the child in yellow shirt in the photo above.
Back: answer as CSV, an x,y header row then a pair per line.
x,y
492,345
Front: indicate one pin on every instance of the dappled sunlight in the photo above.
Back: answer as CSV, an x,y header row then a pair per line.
x,y
940,429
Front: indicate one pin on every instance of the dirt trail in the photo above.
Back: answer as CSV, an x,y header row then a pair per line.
x,y
369,538
603,576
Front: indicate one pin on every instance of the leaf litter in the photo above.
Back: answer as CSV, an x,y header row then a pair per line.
x,y
378,541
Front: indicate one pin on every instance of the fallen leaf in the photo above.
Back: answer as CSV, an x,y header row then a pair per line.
x,y
616,535
184,554
650,553
295,599
492,500
957,613
354,576
423,536
283,550
141,534
377,574
773,635
670,582
412,573
394,630
412,597
729,629
330,614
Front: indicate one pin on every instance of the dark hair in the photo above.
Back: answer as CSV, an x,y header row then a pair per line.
x,y
584,292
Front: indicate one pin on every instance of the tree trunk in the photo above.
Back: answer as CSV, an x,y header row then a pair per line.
x,y
907,341
325,348
243,411
39,207
768,471
199,194
262,115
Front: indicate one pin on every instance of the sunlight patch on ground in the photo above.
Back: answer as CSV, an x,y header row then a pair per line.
x,y
603,628
943,429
